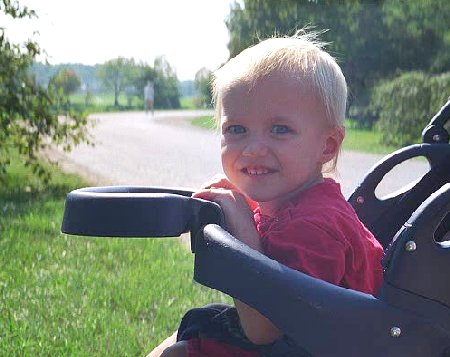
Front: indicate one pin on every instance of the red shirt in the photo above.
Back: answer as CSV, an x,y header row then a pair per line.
x,y
317,233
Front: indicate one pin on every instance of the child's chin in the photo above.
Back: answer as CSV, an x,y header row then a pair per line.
x,y
260,197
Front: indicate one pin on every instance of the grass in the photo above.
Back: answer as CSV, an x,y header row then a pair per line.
x,y
206,122
187,103
104,102
364,140
67,295
356,139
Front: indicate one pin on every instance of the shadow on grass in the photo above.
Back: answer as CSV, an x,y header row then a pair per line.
x,y
21,190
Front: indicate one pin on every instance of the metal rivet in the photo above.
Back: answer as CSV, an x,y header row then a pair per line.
x,y
360,200
396,331
410,246
436,137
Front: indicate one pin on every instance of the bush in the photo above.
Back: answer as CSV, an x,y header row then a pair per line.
x,y
405,105
440,91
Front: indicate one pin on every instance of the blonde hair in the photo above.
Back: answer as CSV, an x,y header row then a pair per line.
x,y
302,58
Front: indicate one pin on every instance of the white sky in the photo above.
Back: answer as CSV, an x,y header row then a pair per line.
x,y
190,33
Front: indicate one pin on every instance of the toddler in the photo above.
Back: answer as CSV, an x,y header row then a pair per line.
x,y
281,106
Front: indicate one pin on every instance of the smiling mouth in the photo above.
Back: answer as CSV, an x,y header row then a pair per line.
x,y
257,171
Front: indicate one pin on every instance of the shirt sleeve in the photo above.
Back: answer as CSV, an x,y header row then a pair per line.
x,y
307,247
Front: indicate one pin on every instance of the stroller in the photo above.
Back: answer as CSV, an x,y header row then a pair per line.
x,y
410,315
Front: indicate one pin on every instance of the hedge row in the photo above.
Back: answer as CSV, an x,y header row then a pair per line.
x,y
406,104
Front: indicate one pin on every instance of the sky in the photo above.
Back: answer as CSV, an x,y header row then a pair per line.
x,y
191,34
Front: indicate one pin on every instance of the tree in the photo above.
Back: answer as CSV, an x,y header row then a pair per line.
x,y
371,39
67,81
116,74
29,118
203,83
166,85
144,74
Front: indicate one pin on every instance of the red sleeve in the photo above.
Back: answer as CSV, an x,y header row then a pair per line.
x,y
307,247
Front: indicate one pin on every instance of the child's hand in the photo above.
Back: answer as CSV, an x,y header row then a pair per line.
x,y
238,215
221,181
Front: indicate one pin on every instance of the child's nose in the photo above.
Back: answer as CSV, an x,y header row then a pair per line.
x,y
255,147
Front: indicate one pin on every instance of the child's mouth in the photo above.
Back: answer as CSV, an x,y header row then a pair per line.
x,y
253,171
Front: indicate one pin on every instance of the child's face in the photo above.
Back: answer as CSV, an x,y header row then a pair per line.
x,y
274,139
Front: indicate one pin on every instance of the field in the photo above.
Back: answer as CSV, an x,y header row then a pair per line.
x,y
104,102
64,295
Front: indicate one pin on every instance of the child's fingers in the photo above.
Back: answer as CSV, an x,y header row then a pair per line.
x,y
217,194
211,194
218,181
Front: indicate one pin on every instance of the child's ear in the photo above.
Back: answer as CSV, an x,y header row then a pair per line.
x,y
332,144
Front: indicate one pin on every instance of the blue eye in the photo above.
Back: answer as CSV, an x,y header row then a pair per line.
x,y
280,129
235,129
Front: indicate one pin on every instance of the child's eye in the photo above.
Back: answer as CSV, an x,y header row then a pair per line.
x,y
280,129
235,129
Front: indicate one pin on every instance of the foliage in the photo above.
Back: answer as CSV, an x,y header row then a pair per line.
x,y
125,75
86,73
371,39
29,118
143,74
67,81
187,88
167,94
116,74
203,88
407,103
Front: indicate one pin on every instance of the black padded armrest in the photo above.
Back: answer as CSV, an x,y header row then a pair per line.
x,y
136,212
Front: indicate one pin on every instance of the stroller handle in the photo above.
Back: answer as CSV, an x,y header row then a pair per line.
x,y
136,212
435,131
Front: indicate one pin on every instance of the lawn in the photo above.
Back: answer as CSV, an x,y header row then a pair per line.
x,y
104,102
66,295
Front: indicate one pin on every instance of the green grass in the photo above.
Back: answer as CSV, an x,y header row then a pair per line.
x,y
206,122
364,140
66,295
104,102
356,139
187,103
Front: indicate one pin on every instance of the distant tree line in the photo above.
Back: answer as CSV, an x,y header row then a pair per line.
x,y
118,76
374,41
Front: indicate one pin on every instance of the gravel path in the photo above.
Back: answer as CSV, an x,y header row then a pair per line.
x,y
165,150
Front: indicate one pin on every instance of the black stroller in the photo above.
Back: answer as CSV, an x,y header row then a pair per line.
x,y
410,316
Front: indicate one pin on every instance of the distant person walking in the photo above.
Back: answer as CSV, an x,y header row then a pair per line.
x,y
149,97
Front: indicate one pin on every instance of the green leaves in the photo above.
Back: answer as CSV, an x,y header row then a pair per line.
x,y
31,117
371,39
406,104
13,9
115,74
66,80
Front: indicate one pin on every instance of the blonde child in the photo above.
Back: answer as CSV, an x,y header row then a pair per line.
x,y
281,107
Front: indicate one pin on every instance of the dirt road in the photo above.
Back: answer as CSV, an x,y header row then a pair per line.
x,y
165,150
